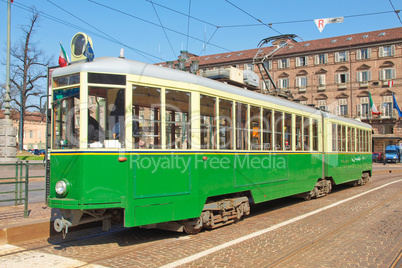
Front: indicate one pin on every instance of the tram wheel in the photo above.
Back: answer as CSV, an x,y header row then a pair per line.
x,y
192,227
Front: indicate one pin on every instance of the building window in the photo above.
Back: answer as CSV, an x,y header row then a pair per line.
x,y
321,79
342,56
31,134
363,54
363,78
301,61
363,108
268,64
283,63
342,108
387,51
283,83
387,74
321,59
386,107
265,85
249,66
341,78
322,104
301,82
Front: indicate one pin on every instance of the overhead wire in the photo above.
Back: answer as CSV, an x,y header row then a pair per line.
x,y
80,28
306,20
152,23
396,11
187,15
96,28
242,10
160,21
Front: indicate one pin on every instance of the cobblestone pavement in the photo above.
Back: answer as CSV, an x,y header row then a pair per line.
x,y
360,232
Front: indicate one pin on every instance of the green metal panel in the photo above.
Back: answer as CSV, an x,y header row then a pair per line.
x,y
162,175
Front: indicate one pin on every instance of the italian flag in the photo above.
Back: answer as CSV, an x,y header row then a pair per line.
x,y
373,108
63,59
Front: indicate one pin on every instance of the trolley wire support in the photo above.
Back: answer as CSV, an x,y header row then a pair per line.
x,y
259,61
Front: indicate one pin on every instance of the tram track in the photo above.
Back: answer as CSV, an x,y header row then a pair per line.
x,y
146,245
328,234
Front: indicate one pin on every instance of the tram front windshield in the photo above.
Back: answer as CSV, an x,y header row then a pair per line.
x,y
105,125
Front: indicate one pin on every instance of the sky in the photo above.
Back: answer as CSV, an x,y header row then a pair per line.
x,y
153,31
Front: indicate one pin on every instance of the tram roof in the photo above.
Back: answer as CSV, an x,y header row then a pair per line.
x,y
126,66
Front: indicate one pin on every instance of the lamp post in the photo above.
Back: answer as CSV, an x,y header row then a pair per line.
x,y
8,141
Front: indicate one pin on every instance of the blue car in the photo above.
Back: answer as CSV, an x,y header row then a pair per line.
x,y
392,154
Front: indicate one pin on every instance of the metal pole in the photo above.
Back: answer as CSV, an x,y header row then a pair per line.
x,y
7,111
21,141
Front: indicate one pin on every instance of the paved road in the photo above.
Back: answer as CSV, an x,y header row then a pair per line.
x,y
352,227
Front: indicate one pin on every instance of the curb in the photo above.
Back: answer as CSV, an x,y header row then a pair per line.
x,y
14,234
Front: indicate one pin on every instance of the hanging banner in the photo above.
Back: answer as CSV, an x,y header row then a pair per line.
x,y
322,22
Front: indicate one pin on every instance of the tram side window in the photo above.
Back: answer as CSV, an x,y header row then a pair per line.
x,y
339,135
146,117
208,123
361,141
267,129
225,124
288,132
369,141
178,128
278,138
353,140
358,140
106,119
241,126
366,141
299,128
255,131
334,138
348,141
315,135
343,138
66,119
306,136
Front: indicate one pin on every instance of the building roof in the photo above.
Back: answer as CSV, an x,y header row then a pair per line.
x,y
34,117
312,46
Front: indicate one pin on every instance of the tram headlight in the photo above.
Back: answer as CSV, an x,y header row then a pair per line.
x,y
61,187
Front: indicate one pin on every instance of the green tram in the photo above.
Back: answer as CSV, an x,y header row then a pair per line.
x,y
155,147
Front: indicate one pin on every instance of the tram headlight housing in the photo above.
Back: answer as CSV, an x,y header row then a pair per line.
x,y
61,188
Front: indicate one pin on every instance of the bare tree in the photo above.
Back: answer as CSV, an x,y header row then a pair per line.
x,y
28,69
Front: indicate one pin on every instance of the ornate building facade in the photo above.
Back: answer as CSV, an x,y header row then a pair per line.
x,y
335,74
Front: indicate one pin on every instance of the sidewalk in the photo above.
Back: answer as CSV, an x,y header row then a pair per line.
x,y
14,227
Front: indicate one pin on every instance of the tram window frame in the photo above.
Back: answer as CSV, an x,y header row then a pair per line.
x,y
353,140
343,138
226,124
315,135
66,121
208,131
299,133
287,132
358,140
147,123
267,129
242,123
334,137
348,140
306,133
109,110
339,137
255,128
172,104
278,131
